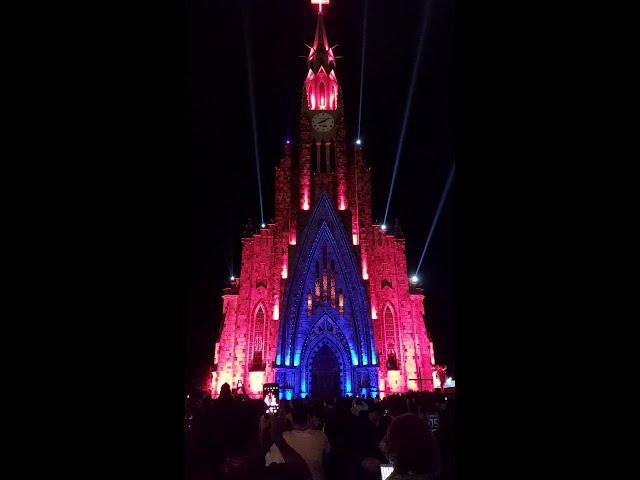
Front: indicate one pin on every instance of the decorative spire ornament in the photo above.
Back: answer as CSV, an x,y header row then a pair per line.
x,y
320,3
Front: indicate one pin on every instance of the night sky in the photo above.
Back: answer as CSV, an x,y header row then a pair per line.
x,y
220,178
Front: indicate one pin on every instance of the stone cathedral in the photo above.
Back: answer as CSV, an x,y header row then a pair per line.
x,y
323,304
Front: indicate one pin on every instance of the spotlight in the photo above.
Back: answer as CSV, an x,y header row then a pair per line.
x,y
263,226
358,142
383,227
232,278
414,279
287,141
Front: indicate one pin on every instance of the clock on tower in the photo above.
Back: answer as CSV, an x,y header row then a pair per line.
x,y
322,122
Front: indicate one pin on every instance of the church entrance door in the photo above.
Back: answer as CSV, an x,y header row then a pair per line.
x,y
325,375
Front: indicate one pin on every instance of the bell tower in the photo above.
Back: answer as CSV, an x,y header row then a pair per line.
x,y
323,162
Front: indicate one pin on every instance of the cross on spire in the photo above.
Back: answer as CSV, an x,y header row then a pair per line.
x,y
320,3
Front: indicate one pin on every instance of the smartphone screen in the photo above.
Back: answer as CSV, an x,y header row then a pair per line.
x,y
271,396
386,470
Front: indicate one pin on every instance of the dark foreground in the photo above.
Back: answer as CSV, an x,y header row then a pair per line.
x,y
229,437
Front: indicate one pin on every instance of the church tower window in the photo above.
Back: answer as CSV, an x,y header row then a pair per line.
x,y
258,340
390,337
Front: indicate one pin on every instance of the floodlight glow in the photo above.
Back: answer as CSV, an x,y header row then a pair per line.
x,y
383,227
232,278
263,225
414,279
358,142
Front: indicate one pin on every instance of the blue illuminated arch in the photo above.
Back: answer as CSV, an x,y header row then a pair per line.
x,y
325,227
343,360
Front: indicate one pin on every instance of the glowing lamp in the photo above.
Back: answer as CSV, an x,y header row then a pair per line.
x,y
358,142
287,141
414,279
232,278
383,227
263,226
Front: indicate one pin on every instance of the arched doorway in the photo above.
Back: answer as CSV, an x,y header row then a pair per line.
x,y
325,374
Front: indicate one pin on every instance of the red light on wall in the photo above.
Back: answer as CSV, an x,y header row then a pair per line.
x,y
276,312
217,350
342,205
355,238
284,271
304,189
322,90
292,233
256,381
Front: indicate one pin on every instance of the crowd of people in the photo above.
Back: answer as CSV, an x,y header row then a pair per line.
x,y
350,438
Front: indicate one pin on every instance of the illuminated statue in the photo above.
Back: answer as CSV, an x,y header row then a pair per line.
x,y
441,372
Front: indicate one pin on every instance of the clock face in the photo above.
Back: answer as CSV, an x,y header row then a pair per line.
x,y
322,122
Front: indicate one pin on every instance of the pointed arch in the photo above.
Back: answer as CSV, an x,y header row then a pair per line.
x,y
322,93
338,347
325,228
390,326
258,337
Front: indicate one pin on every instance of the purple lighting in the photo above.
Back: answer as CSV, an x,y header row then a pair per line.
x,y
287,141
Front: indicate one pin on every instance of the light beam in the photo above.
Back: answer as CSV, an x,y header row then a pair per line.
x,y
364,43
407,107
249,60
435,219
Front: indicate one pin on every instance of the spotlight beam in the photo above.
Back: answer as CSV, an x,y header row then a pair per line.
x,y
443,197
407,107
228,255
249,59
364,44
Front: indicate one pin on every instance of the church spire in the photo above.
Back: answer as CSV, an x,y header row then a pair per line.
x,y
320,41
321,82
320,54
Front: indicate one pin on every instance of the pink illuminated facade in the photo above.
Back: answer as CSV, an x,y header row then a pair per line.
x,y
323,303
